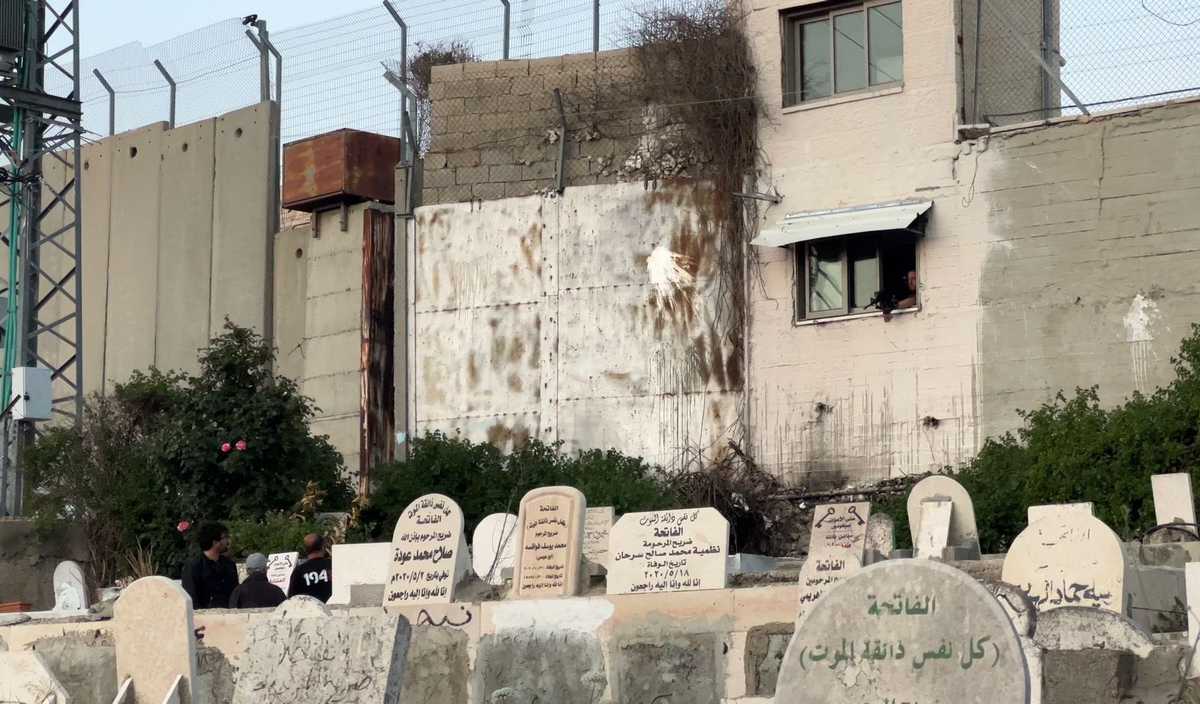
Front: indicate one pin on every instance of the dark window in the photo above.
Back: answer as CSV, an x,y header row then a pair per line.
x,y
841,50
855,274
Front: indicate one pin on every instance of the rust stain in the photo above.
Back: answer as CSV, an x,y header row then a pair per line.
x,y
516,349
499,346
515,383
535,354
617,376
434,282
700,354
472,372
733,361
500,435
715,361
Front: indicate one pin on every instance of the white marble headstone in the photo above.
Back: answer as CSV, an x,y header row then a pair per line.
x,y
1068,559
494,546
358,564
836,549
155,639
597,527
905,631
1173,501
428,555
550,543
280,566
25,678
70,587
934,536
963,531
668,551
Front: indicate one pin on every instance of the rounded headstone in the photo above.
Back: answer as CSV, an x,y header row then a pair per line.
x,y
1068,558
905,631
428,552
70,587
493,547
963,531
301,606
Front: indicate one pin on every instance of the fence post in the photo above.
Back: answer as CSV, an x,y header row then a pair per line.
x,y
403,78
507,17
170,81
595,26
1007,24
112,102
264,59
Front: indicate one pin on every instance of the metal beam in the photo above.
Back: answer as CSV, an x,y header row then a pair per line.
x,y
41,102
112,102
171,82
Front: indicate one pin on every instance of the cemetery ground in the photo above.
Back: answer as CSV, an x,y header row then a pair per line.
x,y
1057,566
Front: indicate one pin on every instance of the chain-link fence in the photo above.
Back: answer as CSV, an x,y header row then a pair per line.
x,y
1038,59
332,69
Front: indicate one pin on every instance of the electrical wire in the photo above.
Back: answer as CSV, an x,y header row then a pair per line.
x,y
1160,18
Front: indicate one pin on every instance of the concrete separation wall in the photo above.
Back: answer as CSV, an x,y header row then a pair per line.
x,y
587,318
176,236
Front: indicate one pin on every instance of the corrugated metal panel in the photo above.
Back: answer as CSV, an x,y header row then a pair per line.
x,y
819,224
11,24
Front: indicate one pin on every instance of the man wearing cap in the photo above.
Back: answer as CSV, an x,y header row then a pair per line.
x,y
256,592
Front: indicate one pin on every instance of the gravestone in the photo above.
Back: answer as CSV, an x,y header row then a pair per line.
x,y
905,631
1068,559
1173,502
839,528
301,606
154,637
493,547
280,566
597,526
359,564
428,555
668,551
25,678
550,543
836,548
70,587
818,575
963,532
881,537
1037,513
934,536
312,659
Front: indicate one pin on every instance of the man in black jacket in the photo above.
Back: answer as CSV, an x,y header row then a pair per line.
x,y
211,578
256,592
313,577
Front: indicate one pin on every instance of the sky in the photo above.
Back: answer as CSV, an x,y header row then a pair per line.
x,y
106,24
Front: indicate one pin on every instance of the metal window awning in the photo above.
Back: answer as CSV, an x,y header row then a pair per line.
x,y
819,224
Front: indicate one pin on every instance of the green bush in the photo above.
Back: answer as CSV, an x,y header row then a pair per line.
x,y
150,455
275,532
1073,449
483,480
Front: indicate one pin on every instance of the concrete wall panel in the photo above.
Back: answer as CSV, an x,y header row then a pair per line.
x,y
242,219
133,251
291,283
185,244
96,175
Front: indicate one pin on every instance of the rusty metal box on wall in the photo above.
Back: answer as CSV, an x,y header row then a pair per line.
x,y
346,166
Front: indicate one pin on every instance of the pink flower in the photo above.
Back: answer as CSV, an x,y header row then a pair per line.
x,y
226,447
183,526
241,445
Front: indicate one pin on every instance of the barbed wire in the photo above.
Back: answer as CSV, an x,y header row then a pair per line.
x,y
1116,53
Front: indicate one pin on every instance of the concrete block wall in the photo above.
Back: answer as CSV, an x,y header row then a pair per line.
x,y
495,126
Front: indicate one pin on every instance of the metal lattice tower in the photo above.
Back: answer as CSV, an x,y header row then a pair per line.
x,y
39,215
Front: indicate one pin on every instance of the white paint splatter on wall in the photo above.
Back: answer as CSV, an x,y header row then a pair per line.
x,y
1139,321
667,273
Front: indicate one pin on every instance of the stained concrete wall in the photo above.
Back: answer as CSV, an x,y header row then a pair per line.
x,y
29,557
176,236
590,318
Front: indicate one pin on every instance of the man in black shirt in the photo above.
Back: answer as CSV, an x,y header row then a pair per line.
x,y
256,592
314,576
211,578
